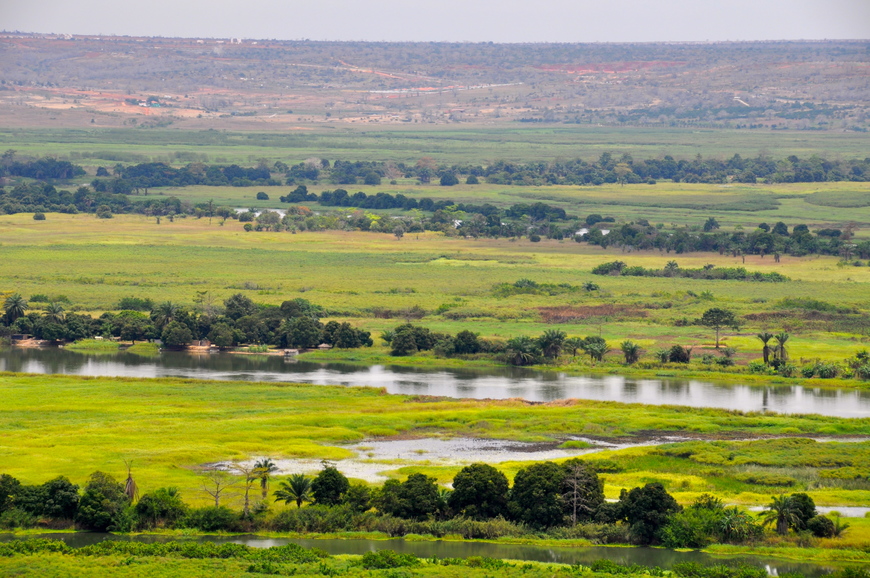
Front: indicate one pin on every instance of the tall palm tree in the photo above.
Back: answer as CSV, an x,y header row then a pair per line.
x,y
551,342
296,488
596,349
572,344
780,352
54,312
783,512
164,314
264,468
631,351
765,337
14,306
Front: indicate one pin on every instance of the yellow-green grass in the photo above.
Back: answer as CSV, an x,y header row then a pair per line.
x,y
171,567
96,262
472,143
814,204
65,425
94,345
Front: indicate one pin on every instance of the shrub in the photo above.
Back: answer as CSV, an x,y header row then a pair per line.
x,y
38,216
383,559
211,519
821,527
535,238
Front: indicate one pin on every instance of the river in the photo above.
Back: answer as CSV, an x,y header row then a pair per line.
x,y
492,383
449,549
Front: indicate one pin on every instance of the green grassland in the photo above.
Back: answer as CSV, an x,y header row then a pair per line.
x,y
65,425
448,145
814,204
96,262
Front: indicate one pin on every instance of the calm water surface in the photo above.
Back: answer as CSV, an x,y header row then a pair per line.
x,y
441,549
493,383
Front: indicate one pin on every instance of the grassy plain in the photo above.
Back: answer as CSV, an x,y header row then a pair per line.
x,y
470,143
65,425
96,262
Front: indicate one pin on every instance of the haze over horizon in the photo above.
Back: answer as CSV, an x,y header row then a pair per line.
x,y
450,20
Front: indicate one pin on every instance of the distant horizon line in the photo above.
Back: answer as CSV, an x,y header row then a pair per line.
x,y
70,36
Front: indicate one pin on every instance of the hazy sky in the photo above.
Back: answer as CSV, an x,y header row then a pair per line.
x,y
449,20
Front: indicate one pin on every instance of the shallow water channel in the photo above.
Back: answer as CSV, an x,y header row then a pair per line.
x,y
448,549
492,383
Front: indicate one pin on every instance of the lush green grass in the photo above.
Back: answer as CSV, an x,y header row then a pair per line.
x,y
94,345
64,425
352,272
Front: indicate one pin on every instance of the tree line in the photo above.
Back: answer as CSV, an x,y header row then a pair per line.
x,y
295,323
545,497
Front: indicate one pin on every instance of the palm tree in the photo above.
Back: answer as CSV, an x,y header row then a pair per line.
x,y
54,312
15,306
164,314
783,512
551,342
131,490
765,337
296,488
572,344
631,351
521,350
779,351
596,349
263,469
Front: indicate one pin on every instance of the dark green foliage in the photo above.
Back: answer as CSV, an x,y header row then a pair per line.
x,y
9,487
135,304
710,273
647,510
408,339
383,559
480,492
717,318
176,334
161,508
679,354
466,342
211,519
329,486
302,332
821,527
610,567
536,497
102,503
806,508
695,570
239,305
358,498
416,498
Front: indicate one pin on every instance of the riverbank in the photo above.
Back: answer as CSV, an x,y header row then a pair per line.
x,y
570,551
580,366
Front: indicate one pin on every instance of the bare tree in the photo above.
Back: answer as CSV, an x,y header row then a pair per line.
x,y
216,482
583,491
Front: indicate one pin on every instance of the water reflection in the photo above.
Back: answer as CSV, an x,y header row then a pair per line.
x,y
493,383
445,549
